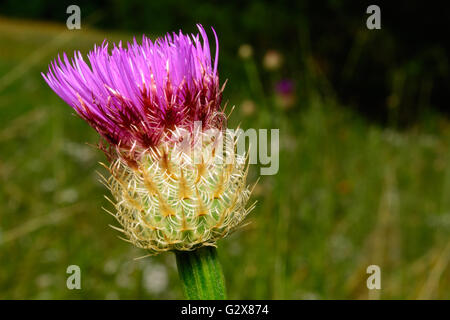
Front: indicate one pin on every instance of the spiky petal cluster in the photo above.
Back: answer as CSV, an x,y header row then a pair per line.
x,y
133,95
174,187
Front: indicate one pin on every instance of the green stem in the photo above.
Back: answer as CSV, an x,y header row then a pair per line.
x,y
201,274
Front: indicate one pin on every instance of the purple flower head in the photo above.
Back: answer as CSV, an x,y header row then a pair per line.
x,y
134,96
285,87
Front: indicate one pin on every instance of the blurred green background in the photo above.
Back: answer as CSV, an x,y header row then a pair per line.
x,y
364,152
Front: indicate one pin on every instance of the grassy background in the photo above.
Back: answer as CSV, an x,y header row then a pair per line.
x,y
349,193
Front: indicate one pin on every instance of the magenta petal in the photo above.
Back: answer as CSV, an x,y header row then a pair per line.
x,y
132,95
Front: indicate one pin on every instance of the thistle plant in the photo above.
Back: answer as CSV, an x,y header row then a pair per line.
x,y
176,180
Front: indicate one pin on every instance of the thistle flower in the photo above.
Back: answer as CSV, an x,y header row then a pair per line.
x,y
285,94
157,105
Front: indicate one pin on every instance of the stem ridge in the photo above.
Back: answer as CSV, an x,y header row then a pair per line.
x,y
201,274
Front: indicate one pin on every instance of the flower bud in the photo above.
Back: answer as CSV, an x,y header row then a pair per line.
x,y
183,194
